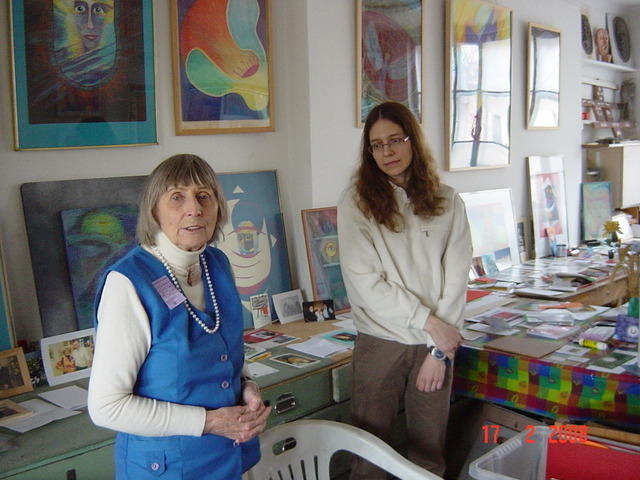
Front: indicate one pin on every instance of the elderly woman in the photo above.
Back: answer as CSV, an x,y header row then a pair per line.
x,y
167,369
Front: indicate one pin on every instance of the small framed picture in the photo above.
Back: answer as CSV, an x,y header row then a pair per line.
x,y
295,360
288,306
14,373
69,356
10,411
318,311
260,310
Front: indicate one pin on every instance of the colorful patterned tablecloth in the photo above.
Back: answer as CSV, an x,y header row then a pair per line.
x,y
547,389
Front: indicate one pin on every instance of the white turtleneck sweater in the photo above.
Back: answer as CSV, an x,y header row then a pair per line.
x,y
123,341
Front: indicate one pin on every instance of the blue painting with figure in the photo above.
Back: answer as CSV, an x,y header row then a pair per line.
x,y
254,238
95,238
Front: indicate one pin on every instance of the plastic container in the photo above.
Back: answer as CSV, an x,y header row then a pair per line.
x,y
530,456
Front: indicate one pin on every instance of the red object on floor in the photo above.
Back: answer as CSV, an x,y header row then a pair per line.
x,y
577,461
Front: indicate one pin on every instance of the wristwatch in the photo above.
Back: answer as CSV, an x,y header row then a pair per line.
x,y
437,353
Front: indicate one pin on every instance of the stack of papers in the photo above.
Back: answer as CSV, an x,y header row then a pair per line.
x,y
318,347
72,397
43,413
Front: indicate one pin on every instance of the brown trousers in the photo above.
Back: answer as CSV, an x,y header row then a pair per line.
x,y
383,373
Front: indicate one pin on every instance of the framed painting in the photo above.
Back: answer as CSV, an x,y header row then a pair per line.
x,y
69,356
94,239
14,373
597,208
6,323
548,203
478,79
493,230
543,78
323,254
222,71
83,73
388,55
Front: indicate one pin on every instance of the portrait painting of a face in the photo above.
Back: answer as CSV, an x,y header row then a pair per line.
x,y
84,40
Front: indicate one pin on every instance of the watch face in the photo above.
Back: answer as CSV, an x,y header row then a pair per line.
x,y
587,38
621,38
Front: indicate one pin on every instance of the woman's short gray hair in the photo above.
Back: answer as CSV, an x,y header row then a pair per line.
x,y
182,169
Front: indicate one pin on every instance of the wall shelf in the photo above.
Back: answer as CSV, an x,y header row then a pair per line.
x,y
608,66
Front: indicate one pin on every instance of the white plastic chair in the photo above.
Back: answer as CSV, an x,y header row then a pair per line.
x,y
304,450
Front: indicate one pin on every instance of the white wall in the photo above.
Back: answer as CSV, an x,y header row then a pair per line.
x,y
314,147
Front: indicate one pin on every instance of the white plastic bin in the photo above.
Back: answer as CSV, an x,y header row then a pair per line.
x,y
524,457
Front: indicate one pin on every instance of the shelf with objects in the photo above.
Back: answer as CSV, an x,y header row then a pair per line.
x,y
616,115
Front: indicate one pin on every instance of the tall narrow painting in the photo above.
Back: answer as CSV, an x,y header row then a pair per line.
x,y
389,55
83,73
323,253
6,325
548,203
478,79
222,73
597,208
543,77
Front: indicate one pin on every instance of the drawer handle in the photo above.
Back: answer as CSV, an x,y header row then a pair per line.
x,y
71,474
285,403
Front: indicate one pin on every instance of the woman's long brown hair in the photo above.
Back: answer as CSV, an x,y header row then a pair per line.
x,y
374,190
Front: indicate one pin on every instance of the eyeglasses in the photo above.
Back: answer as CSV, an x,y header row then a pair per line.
x,y
393,143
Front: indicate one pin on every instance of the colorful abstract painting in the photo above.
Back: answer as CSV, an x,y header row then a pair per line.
x,y
83,73
390,54
222,71
493,230
479,81
323,253
597,208
94,239
548,203
254,237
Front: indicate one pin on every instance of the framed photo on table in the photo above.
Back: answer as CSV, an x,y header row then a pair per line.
x,y
222,72
69,356
323,254
82,78
478,79
14,373
388,55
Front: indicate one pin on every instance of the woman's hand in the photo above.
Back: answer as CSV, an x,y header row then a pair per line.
x,y
446,336
431,374
242,422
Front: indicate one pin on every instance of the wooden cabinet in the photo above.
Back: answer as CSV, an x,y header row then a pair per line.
x,y
620,165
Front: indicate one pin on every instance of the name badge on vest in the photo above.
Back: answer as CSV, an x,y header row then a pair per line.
x,y
168,292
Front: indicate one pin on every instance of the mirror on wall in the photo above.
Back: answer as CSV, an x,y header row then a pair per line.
x,y
543,78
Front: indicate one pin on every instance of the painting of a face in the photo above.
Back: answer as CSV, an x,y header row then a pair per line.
x,y
90,19
84,40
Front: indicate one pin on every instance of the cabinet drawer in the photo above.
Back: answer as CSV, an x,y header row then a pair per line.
x,y
299,398
341,379
93,465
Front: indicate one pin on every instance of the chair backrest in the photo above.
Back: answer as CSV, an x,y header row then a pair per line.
x,y
303,450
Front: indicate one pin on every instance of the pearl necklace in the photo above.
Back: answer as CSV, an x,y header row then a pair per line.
x,y
187,304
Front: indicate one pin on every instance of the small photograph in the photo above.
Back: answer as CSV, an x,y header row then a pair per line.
x,y
10,411
14,373
342,337
295,360
260,335
477,267
288,306
318,311
69,356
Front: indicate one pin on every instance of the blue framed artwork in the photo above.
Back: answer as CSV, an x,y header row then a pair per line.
x,y
6,329
597,208
83,73
254,237
222,66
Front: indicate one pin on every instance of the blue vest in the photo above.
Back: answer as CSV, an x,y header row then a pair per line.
x,y
185,365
